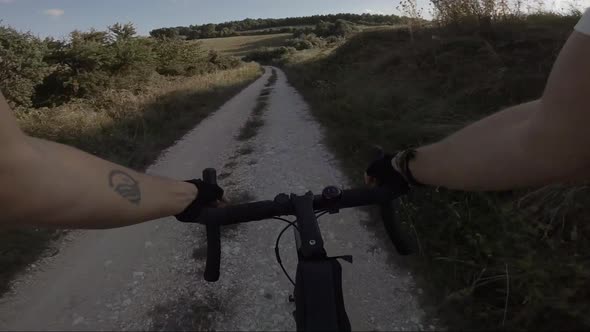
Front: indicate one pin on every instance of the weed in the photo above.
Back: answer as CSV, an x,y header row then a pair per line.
x,y
230,165
250,129
272,79
255,122
246,150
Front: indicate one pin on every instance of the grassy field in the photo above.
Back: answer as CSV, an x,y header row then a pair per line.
x,y
276,29
123,127
515,260
242,45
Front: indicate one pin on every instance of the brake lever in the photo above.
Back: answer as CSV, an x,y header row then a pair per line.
x,y
393,227
394,230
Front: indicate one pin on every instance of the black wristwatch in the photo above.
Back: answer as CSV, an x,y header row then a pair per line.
x,y
401,163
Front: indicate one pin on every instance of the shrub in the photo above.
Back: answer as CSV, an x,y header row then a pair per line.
x,y
269,54
340,28
222,61
177,57
306,41
21,66
82,67
95,61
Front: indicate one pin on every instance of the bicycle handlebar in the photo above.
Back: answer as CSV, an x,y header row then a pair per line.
x,y
282,206
331,200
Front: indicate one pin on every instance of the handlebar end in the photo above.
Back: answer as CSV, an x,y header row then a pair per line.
x,y
210,176
213,237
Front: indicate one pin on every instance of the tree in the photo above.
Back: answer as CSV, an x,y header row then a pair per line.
x,y
21,65
324,29
414,13
343,28
226,32
164,33
209,31
122,31
81,68
218,30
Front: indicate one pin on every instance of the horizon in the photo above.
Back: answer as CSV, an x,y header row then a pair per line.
x,y
58,18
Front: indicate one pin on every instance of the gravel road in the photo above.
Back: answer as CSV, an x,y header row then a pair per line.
x,y
149,276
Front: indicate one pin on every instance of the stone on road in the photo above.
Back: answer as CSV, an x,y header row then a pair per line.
x,y
149,276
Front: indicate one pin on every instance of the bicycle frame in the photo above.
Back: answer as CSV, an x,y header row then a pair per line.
x,y
320,306
318,287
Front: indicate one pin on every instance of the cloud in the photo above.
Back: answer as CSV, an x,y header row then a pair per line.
x,y
54,12
374,12
6,1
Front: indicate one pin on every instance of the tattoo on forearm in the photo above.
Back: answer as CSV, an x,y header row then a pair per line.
x,y
125,185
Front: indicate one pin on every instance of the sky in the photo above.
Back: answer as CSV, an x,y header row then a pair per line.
x,y
57,18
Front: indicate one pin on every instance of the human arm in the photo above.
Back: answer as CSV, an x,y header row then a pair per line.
x,y
532,144
50,184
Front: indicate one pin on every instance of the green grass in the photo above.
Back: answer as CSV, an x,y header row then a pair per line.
x,y
250,129
246,150
242,45
131,130
514,260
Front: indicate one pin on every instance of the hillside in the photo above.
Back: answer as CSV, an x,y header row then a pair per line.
x,y
489,261
271,25
242,45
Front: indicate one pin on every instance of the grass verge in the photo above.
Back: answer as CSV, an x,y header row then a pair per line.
x,y
514,260
130,129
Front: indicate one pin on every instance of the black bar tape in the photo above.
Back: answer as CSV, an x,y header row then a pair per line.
x,y
213,237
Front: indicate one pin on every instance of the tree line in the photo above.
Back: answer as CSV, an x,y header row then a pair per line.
x,y
279,25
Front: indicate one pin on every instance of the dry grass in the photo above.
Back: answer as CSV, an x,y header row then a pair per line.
x,y
125,127
242,45
488,261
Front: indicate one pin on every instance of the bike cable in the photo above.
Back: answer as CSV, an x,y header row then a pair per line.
x,y
277,253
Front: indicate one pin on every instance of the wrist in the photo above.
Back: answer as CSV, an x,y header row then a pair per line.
x,y
182,195
402,163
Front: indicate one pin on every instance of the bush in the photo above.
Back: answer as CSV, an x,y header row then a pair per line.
x,y
331,40
222,61
91,62
306,41
340,28
50,72
21,66
269,54
176,57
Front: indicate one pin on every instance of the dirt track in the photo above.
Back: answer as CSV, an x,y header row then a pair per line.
x,y
150,276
